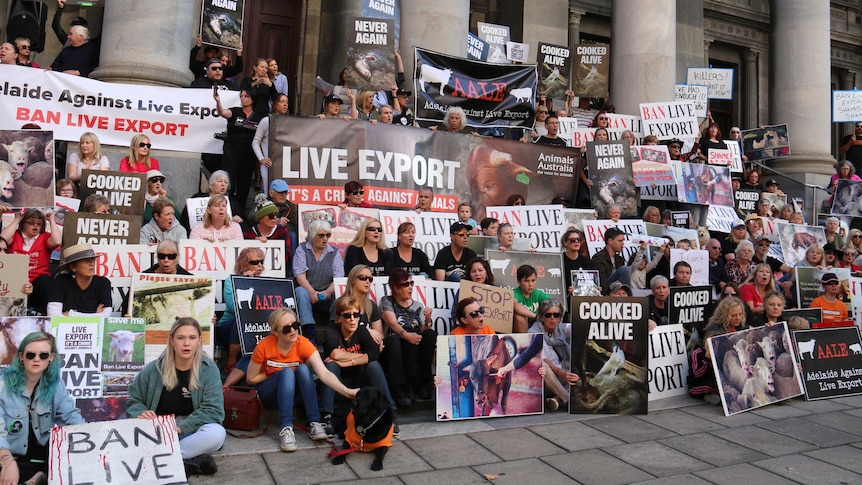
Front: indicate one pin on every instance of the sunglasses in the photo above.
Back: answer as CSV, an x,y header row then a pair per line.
x,y
171,256
855,236
160,180
553,314
272,216
732,293
350,315
142,145
358,192
543,112
325,235
32,355
216,68
255,262
763,244
476,313
406,284
24,47
573,239
518,202
830,283
601,118
367,278
374,229
293,326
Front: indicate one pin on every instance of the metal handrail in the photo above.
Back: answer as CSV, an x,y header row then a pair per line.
x,y
804,184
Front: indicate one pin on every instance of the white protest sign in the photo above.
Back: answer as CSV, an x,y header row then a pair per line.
x,y
736,154
659,192
693,93
668,364
542,225
856,299
517,52
432,229
567,128
669,120
720,157
846,106
720,81
721,218
577,137
79,343
595,232
699,261
122,451
617,121
440,297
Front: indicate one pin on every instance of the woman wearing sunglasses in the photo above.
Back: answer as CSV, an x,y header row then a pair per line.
x,y
32,381
470,316
163,386
556,352
78,289
155,189
248,263
217,225
281,367
267,228
359,281
139,159
354,196
369,248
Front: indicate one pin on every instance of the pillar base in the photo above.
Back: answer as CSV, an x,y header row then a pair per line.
x,y
137,73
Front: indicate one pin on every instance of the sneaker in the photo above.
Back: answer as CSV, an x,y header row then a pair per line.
x,y
326,421
712,399
396,431
551,404
287,442
200,465
318,431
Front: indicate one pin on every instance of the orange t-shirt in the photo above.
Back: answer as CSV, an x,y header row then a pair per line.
x,y
832,312
486,330
271,360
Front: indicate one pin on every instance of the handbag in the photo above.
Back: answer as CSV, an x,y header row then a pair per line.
x,y
242,410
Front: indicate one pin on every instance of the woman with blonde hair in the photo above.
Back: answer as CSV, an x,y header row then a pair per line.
x,y
359,281
369,248
217,225
758,283
88,156
365,107
139,159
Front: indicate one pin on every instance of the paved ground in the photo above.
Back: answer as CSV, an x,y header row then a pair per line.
x,y
679,441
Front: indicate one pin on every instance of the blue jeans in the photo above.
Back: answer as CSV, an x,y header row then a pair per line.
x,y
280,390
306,311
372,376
207,439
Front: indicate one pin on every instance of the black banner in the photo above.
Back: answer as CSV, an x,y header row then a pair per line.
x,y
831,360
492,95
689,305
254,299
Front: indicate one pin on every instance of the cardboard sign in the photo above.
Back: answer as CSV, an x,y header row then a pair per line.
x,y
432,229
499,303
747,380
549,278
14,271
690,305
831,362
125,190
593,70
668,362
694,94
122,451
254,299
496,36
675,119
541,226
846,106
101,229
610,169
719,81
766,142
612,331
221,23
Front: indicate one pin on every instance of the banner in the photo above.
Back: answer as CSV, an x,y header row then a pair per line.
x,y
316,157
125,190
690,305
766,142
611,337
719,81
610,169
370,54
668,362
549,277
254,299
694,94
651,166
593,71
491,95
496,36
831,361
432,230
699,183
384,9
846,106
86,227
173,118
554,63
670,120
499,303
477,49
541,226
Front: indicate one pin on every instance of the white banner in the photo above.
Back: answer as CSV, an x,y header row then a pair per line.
x,y
668,364
670,120
173,118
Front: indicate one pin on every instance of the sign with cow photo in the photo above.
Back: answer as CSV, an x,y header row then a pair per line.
x,y
549,273
610,354
469,386
14,329
124,190
754,367
254,299
27,168
160,299
831,360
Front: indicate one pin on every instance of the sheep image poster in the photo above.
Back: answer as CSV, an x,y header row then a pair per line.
x,y
754,368
14,329
610,169
27,168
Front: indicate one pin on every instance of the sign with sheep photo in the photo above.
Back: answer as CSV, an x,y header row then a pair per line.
x,y
27,168
754,368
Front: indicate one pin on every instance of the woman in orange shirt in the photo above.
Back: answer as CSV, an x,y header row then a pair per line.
x,y
471,318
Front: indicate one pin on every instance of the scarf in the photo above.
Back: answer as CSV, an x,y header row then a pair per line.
x,y
557,341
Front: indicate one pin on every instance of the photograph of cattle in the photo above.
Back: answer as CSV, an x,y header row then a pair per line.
x,y
470,385
14,330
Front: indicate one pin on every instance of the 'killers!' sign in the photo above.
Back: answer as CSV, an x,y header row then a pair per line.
x,y
491,95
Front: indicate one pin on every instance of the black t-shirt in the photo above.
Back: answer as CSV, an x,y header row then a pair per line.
x,y
356,255
177,401
360,342
774,264
854,153
573,264
66,290
659,315
418,262
446,261
544,140
241,129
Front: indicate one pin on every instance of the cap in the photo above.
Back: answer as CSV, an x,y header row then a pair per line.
x,y
75,253
617,286
751,217
830,248
762,237
263,207
675,141
736,177
154,173
279,185
738,223
332,98
402,92
772,182
80,21
827,277
214,60
458,227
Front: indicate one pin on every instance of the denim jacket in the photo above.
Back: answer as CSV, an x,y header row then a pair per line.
x,y
16,416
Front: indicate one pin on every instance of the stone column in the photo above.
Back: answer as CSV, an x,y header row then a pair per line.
x,y
574,37
440,26
689,37
751,78
147,42
643,54
706,44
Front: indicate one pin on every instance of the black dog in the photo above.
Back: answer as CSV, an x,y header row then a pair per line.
x,y
369,426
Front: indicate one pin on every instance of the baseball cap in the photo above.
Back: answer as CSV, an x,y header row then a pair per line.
x,y
739,223
617,286
772,182
332,98
458,227
279,185
827,277
402,92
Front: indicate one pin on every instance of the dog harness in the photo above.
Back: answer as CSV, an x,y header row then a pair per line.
x,y
356,437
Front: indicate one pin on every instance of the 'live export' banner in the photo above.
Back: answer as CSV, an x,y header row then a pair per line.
x,y
173,118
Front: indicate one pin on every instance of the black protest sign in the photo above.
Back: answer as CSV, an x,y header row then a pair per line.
x,y
831,360
555,64
593,71
221,23
609,335
689,305
125,190
371,54
746,200
549,273
86,227
681,219
254,299
610,167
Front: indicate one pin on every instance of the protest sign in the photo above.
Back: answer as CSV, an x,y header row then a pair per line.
x,y
855,300
736,155
573,217
651,166
541,226
699,183
464,393
660,192
480,243
555,64
610,169
124,190
344,222
746,200
611,337
694,94
477,49
254,299
197,209
720,157
440,297
808,286
173,118
681,219
517,52
432,229
697,258
846,106
79,344
221,23
14,270
690,306
549,277
847,200
491,95
748,381
122,353
384,9
719,81
766,142
721,218
776,202
15,329
668,362
95,409
796,239
496,36
121,451
676,233
676,119
595,232
831,360
593,70
499,303
27,168
86,227
370,54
